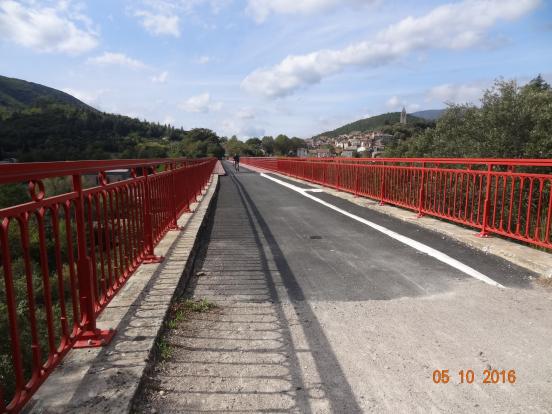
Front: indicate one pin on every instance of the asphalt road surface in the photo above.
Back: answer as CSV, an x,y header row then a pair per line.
x,y
320,311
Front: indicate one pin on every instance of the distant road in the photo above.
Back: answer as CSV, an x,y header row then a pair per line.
x,y
325,306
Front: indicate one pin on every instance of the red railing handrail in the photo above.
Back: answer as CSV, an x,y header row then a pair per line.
x,y
522,162
15,172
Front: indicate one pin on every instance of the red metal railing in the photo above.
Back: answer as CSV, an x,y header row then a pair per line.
x,y
512,198
64,256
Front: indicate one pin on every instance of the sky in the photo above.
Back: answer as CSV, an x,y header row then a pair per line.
x,y
265,67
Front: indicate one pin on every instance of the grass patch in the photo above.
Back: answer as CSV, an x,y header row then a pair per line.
x,y
180,310
164,349
201,306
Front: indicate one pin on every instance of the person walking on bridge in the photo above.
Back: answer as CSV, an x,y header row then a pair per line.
x,y
236,162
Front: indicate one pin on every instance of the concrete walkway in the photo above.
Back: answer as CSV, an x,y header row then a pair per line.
x,y
317,313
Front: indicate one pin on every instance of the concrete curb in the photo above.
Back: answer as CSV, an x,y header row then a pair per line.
x,y
107,379
536,261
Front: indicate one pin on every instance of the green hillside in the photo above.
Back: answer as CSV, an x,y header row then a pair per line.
x,y
17,94
38,123
372,123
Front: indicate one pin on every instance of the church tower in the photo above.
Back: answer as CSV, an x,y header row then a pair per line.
x,y
403,116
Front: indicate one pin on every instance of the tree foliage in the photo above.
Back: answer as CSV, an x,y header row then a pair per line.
x,y
57,132
512,122
282,145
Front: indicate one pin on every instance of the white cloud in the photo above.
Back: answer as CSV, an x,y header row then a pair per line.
x,y
246,113
119,59
164,17
241,129
159,24
259,10
203,60
450,26
46,29
394,102
460,93
200,103
161,78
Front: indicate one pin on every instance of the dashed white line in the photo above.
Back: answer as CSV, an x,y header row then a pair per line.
x,y
430,251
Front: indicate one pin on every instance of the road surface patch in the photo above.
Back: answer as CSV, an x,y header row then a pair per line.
x,y
399,237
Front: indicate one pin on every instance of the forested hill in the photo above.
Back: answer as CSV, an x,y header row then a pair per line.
x,y
17,94
38,123
372,123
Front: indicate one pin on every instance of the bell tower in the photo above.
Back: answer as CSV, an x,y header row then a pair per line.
x,y
403,116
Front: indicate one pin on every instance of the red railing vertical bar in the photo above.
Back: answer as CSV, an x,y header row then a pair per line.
x,y
421,193
548,225
46,284
529,201
35,344
382,185
539,205
90,335
487,203
61,287
356,167
15,342
149,257
71,265
174,202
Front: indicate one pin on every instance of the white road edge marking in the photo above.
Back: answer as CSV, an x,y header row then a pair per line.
x,y
430,251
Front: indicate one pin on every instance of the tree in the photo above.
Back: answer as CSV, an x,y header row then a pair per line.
x,y
268,145
234,146
282,145
253,146
296,143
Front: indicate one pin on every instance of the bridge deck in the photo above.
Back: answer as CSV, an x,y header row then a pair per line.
x,y
320,313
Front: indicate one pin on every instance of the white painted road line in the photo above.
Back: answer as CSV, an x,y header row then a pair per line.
x,y
403,239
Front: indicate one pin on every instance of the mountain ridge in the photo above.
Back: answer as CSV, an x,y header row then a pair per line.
x,y
18,94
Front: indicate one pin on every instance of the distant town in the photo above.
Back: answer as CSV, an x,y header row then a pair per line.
x,y
369,144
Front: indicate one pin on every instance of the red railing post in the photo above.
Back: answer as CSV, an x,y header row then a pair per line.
x,y
422,192
487,203
90,336
382,185
150,256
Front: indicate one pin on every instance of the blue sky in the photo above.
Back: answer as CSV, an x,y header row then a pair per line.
x,y
256,67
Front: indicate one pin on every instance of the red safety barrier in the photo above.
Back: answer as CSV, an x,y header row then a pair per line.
x,y
508,197
65,255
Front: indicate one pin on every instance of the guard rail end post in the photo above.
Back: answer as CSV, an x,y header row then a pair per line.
x,y
484,233
421,193
149,257
91,336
